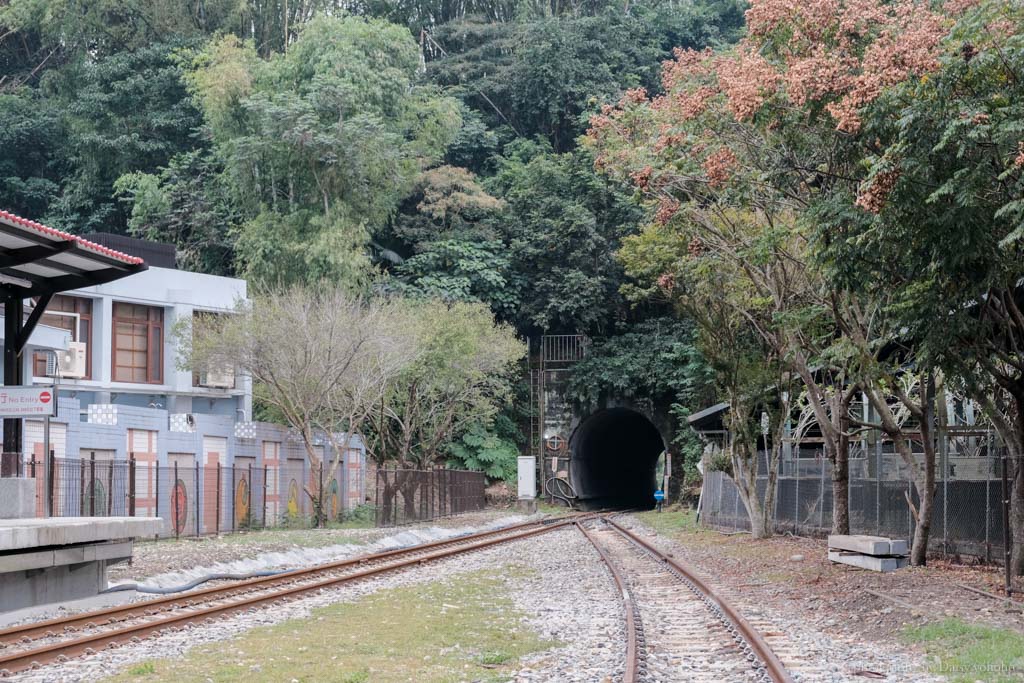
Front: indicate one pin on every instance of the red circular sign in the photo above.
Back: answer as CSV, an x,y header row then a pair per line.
x,y
44,397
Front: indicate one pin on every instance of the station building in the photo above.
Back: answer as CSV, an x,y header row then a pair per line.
x,y
188,435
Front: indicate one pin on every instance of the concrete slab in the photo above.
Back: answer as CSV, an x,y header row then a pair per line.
x,y
867,545
17,498
875,564
898,547
113,551
21,534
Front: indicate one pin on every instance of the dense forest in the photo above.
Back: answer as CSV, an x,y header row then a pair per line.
x,y
425,149
791,207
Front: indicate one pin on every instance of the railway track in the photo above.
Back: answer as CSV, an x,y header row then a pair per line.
x,y
677,628
31,645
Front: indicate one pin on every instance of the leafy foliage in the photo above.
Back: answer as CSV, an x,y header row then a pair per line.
x,y
655,358
493,451
324,141
561,223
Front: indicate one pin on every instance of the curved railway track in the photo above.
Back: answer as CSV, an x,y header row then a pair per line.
x,y
677,628
28,646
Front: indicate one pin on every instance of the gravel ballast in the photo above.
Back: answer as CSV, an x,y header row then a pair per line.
x,y
552,577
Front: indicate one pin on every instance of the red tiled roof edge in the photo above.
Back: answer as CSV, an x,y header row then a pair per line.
x,y
84,243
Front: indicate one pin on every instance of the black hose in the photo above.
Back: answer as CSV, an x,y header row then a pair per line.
x,y
563,490
191,584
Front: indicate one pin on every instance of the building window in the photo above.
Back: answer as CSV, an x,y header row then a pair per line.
x,y
138,344
71,313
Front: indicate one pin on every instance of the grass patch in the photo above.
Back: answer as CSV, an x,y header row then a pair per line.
x,y
551,509
671,521
464,629
965,653
143,669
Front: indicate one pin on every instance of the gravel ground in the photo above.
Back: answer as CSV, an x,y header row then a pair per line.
x,y
152,558
555,577
571,597
816,642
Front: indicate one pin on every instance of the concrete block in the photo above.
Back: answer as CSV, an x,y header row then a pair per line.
x,y
898,547
72,555
17,498
42,559
527,506
875,564
111,552
867,545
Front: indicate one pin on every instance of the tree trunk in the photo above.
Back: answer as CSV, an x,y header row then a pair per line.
x,y
1014,444
926,494
744,470
409,498
742,454
924,481
388,502
841,484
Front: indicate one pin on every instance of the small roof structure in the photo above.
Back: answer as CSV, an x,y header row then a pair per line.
x,y
37,261
709,419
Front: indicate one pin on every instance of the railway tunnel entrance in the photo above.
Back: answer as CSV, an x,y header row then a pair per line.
x,y
614,456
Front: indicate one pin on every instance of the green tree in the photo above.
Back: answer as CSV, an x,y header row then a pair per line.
x,y
320,143
540,75
941,222
127,112
562,223
33,164
492,450
188,204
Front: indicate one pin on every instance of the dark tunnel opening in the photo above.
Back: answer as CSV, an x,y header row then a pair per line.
x,y
614,457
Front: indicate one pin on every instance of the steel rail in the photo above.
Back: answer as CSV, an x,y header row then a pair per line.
x,y
632,673
774,667
28,659
95,618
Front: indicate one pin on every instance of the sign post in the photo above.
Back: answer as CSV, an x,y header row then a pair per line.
x,y
21,402
28,402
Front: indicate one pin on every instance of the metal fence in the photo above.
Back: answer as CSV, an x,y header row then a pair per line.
x,y
406,496
197,501
192,500
967,515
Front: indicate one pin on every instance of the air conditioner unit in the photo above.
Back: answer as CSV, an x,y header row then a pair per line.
x,y
219,378
71,363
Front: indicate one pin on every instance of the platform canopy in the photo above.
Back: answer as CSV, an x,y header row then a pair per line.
x,y
36,262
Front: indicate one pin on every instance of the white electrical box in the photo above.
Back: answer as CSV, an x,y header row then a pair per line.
x,y
527,477
70,363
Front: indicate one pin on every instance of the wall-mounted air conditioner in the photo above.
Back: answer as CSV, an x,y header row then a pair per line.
x,y
218,378
72,364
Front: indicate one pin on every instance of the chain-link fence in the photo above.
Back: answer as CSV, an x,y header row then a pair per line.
x,y
406,496
967,514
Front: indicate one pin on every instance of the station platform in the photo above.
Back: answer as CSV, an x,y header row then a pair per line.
x,y
58,559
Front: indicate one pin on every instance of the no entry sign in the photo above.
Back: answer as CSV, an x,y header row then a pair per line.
x,y
27,402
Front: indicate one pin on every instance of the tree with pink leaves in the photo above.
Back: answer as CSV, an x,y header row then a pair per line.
x,y
741,151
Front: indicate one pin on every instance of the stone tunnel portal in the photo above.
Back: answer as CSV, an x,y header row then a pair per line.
x,y
614,455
